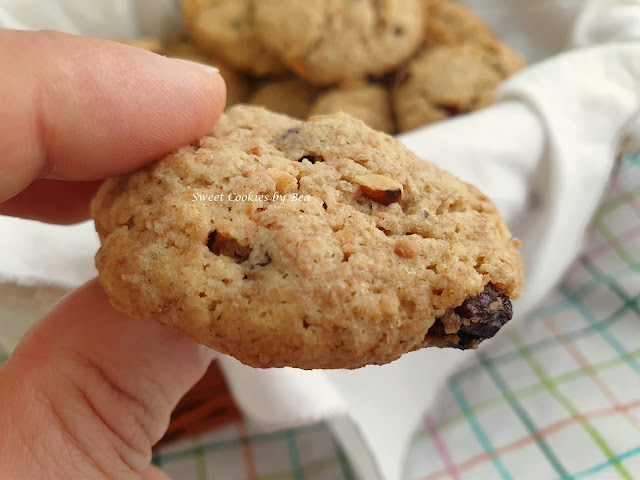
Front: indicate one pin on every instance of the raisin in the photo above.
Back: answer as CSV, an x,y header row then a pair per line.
x,y
488,312
437,329
465,341
481,317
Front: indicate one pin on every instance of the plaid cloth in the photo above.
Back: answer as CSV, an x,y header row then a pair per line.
x,y
555,396
240,452
558,394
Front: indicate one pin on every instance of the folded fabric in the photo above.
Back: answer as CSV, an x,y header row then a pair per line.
x,y
100,18
555,395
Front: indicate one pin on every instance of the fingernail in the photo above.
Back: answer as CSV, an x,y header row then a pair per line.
x,y
207,354
201,66
207,68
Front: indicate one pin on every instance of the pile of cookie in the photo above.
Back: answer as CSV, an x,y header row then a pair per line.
x,y
394,64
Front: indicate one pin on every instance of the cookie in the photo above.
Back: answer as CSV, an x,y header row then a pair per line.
x,y
449,80
318,244
238,86
340,40
191,9
292,97
447,23
225,29
369,103
151,44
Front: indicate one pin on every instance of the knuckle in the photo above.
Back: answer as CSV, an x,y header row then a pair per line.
x,y
112,429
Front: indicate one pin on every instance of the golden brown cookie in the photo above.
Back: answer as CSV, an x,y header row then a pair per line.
x,y
238,86
449,80
447,22
329,42
318,244
191,9
369,103
225,29
291,96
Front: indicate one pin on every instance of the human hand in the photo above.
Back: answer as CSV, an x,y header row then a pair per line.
x,y
89,391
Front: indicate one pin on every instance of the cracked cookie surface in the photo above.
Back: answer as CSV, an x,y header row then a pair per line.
x,y
340,40
356,270
448,80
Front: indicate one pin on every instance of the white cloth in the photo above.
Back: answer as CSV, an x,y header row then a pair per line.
x,y
543,154
97,18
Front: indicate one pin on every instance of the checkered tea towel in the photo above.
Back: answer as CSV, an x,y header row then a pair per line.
x,y
556,396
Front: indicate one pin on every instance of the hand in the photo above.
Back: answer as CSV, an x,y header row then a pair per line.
x,y
88,391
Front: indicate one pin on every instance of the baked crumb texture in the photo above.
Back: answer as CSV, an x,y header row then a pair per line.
x,y
388,253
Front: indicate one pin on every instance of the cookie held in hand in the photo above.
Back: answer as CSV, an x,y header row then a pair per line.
x,y
318,244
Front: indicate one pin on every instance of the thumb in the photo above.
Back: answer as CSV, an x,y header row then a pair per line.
x,y
74,110
89,391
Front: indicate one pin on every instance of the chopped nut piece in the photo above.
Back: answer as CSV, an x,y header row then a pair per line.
x,y
379,188
406,248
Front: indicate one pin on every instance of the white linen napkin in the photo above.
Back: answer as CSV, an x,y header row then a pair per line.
x,y
543,154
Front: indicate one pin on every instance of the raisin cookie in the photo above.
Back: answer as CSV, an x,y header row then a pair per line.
x,y
292,97
369,103
238,86
447,22
318,244
225,29
340,40
449,80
